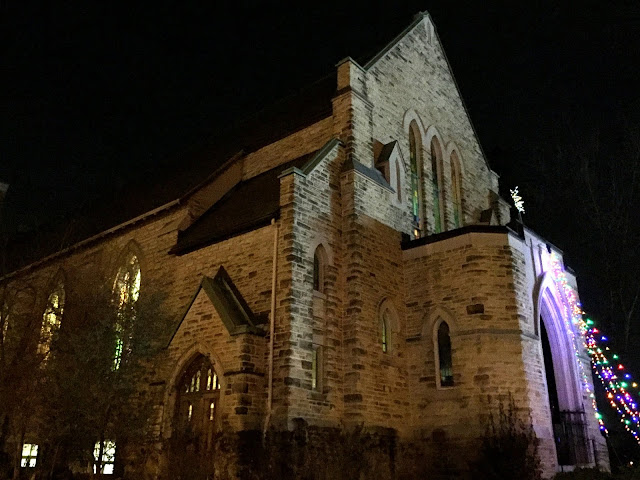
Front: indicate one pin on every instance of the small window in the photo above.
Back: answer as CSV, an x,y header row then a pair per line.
x,y
384,331
316,368
319,266
398,181
444,355
29,455
108,457
212,410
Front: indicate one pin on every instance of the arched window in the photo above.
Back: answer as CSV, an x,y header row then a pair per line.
x,y
384,331
51,318
126,290
198,396
437,188
445,365
319,266
456,189
415,160
386,322
398,181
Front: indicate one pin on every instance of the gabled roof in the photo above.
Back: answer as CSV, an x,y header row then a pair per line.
x,y
231,306
368,62
385,153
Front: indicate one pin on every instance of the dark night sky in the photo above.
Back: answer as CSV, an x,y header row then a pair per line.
x,y
99,92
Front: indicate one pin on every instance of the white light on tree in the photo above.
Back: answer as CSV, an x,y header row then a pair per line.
x,y
517,200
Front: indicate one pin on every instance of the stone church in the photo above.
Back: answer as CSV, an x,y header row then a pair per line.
x,y
348,266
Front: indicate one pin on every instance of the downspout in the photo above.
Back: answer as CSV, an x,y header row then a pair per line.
x,y
272,327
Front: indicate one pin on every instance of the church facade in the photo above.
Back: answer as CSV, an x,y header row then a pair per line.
x,y
357,273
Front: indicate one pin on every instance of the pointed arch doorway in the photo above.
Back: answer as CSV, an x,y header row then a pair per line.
x,y
566,408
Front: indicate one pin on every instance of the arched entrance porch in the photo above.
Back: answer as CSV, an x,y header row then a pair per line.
x,y
566,406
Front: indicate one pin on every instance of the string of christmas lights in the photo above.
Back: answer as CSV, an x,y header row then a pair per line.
x,y
613,375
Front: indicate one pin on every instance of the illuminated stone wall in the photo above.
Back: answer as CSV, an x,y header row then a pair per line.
x,y
484,283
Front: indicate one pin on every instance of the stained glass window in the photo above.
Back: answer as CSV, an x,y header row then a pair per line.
x,y
108,457
29,455
435,186
385,331
416,180
126,290
51,319
456,190
444,355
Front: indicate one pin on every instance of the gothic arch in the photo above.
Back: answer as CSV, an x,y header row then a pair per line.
x,y
170,393
131,248
456,176
451,147
392,320
320,241
550,312
412,116
432,132
429,323
436,179
430,329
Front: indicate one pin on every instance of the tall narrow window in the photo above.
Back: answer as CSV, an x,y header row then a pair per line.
x,y
415,161
398,182
316,368
436,186
51,319
126,291
319,266
444,355
456,189
384,330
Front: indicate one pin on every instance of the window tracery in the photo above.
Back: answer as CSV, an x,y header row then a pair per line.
x,y
197,402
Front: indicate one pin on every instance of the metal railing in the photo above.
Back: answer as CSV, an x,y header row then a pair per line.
x,y
572,441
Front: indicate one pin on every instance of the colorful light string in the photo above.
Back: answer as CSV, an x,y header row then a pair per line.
x,y
612,375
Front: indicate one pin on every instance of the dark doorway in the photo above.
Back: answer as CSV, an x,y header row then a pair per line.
x,y
569,427
552,386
